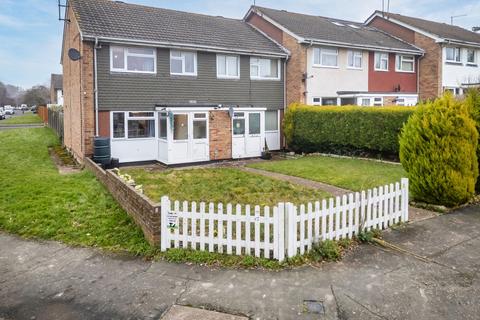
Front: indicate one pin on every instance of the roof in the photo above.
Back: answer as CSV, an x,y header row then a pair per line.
x,y
326,29
56,81
107,19
441,30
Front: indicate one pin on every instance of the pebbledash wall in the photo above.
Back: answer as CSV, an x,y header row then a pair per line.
x,y
144,212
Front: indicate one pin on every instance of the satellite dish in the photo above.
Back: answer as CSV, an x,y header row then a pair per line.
x,y
73,54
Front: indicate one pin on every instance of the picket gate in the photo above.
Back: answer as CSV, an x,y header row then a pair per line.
x,y
284,230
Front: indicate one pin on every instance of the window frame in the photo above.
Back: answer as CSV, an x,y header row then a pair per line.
x,y
200,119
380,55
455,56
127,117
354,53
258,77
474,62
182,58
320,63
329,98
226,76
399,59
125,59
163,115
278,120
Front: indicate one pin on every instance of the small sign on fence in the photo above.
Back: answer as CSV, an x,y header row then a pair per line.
x,y
172,219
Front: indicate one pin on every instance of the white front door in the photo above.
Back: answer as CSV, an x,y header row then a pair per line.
x,y
189,139
248,134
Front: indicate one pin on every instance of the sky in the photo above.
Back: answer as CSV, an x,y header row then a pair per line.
x,y
31,35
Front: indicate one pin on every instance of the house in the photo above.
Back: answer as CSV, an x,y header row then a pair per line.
x,y
56,89
451,60
169,86
338,62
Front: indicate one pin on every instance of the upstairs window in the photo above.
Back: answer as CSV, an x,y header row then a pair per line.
x,y
183,63
471,57
133,59
405,63
453,54
324,57
355,59
228,67
381,61
261,68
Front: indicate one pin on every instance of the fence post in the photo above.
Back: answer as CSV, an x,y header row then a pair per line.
x,y
291,236
404,182
165,209
281,231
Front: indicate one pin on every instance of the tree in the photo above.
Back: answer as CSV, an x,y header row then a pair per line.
x,y
37,95
438,150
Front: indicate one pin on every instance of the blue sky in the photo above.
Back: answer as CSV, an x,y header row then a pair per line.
x,y
31,35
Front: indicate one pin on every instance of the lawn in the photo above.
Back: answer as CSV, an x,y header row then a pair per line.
x,y
221,185
36,201
24,119
351,174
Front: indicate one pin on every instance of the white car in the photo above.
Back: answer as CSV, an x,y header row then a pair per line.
x,y
2,115
9,110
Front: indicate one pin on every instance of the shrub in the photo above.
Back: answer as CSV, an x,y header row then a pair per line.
x,y
438,150
473,104
328,250
346,129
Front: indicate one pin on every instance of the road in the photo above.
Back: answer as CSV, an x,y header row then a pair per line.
x,y
436,276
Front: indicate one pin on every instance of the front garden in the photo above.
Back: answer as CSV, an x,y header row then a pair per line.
x,y
23,119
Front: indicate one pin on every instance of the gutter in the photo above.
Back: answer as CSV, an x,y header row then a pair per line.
x,y
359,46
161,44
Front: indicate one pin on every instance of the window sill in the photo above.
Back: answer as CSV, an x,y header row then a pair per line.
x,y
265,79
381,70
325,67
352,68
227,78
456,63
403,71
472,65
181,75
132,73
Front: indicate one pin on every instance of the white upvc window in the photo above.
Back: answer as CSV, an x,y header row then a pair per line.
x,y
133,125
381,61
228,66
329,101
264,69
378,101
133,59
325,57
317,101
453,54
183,63
405,63
354,59
471,57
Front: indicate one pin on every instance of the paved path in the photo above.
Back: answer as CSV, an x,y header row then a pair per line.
x,y
48,280
19,126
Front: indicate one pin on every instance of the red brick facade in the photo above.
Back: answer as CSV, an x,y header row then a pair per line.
x,y
429,66
78,92
220,135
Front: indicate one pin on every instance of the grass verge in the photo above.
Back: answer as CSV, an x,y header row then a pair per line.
x,y
351,174
24,119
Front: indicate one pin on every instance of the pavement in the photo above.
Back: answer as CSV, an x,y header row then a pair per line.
x,y
434,275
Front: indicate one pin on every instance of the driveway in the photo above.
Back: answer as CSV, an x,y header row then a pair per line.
x,y
434,277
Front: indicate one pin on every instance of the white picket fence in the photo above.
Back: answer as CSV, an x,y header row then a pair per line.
x,y
284,230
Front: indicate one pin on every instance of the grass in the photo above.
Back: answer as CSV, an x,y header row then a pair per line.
x,y
24,119
38,202
351,174
221,185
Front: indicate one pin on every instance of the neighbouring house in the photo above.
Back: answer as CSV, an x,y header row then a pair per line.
x,y
169,86
451,60
338,62
56,89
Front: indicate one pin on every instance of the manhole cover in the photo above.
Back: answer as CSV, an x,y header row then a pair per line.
x,y
314,306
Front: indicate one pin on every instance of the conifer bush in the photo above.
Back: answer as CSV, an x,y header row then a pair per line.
x,y
438,150
473,103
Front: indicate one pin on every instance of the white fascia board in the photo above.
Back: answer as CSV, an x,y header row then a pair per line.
x,y
425,33
185,46
276,24
377,95
364,47
462,43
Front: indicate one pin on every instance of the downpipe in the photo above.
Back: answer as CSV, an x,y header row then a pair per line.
x,y
97,46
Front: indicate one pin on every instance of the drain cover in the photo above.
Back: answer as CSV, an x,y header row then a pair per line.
x,y
314,306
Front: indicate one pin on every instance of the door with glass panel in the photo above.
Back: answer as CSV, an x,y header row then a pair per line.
x,y
189,141
179,151
199,141
247,134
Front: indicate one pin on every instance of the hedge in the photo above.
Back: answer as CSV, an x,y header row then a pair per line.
x,y
345,129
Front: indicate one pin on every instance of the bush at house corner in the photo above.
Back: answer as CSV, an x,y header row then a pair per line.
x,y
438,150
473,103
345,129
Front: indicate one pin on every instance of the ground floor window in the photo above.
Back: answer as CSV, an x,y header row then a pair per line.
x,y
366,102
133,125
347,101
378,101
455,91
329,101
254,123
239,123
200,126
180,127
119,124
271,120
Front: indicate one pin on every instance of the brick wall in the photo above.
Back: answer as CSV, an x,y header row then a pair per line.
x,y
430,71
144,212
78,92
220,134
394,29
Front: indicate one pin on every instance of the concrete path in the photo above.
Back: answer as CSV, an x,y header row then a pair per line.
x,y
48,280
19,126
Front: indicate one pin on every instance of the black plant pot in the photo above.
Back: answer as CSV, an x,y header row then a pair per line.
x,y
266,155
